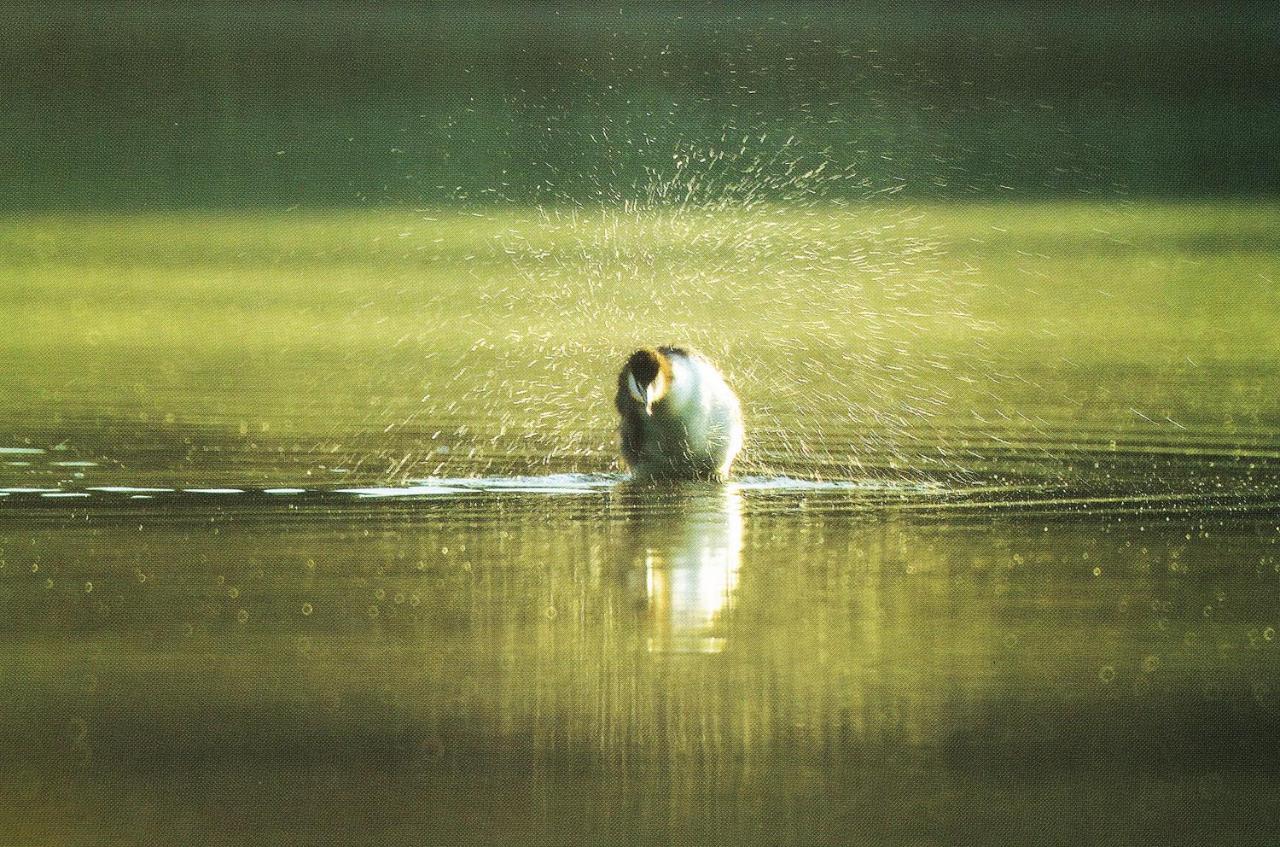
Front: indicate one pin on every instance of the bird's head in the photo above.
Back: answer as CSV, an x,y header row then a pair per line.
x,y
647,377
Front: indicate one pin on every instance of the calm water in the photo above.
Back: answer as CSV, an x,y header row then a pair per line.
x,y
310,530
568,659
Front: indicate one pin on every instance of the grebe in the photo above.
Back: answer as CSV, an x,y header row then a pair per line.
x,y
680,419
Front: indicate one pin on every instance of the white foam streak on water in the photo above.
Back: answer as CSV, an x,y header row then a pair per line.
x,y
551,484
567,483
402,491
577,483
21,451
548,484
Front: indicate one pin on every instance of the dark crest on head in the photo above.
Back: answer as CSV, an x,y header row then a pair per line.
x,y
644,365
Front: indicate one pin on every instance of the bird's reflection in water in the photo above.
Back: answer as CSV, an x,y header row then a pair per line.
x,y
687,546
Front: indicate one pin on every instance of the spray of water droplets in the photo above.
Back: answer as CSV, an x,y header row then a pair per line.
x,y
814,304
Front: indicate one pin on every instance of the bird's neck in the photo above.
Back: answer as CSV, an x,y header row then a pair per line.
x,y
683,389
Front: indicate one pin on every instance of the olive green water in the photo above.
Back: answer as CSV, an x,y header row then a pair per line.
x,y
311,526
705,666
310,529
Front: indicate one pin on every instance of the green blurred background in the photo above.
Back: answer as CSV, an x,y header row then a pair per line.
x,y
156,105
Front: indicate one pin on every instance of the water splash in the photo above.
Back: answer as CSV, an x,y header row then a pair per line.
x,y
698,254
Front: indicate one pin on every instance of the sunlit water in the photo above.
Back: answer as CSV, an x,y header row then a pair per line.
x,y
304,549
574,659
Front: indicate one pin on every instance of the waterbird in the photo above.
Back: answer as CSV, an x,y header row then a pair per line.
x,y
680,418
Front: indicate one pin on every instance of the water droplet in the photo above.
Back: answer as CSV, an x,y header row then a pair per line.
x,y
242,616
1107,674
306,609
88,588
233,592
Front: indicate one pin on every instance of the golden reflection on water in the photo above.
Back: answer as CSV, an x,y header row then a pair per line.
x,y
634,666
691,557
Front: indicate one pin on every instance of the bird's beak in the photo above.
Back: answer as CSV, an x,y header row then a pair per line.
x,y
649,399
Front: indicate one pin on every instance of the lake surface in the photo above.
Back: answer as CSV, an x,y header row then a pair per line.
x,y
573,660
311,528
